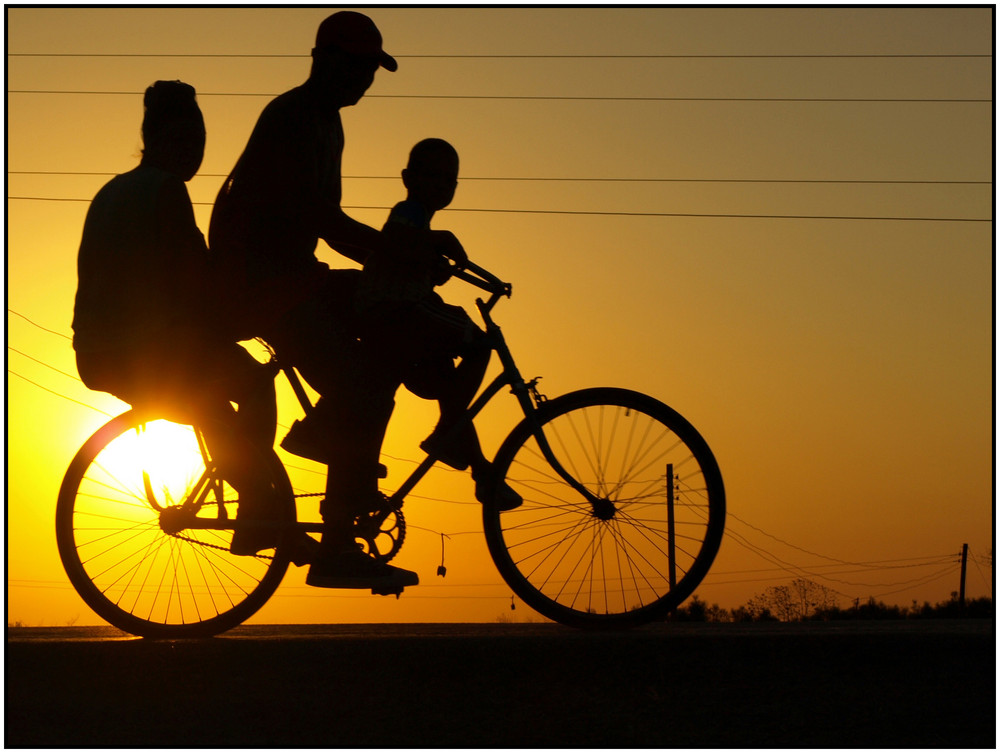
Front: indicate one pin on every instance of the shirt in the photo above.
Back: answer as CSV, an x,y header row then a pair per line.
x,y
142,263
398,274
266,221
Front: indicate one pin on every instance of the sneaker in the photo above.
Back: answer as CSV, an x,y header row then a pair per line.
x,y
352,568
493,491
452,453
247,542
250,540
304,439
303,549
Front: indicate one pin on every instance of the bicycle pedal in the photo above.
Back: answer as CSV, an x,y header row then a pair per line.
x,y
387,591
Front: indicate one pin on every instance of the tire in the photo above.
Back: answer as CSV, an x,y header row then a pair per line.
x,y
612,563
136,566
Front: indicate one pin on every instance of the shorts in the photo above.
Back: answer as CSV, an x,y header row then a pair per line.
x,y
419,341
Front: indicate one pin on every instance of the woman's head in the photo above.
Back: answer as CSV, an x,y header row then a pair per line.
x,y
173,128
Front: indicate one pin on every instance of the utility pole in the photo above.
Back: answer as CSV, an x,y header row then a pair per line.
x,y
961,586
671,534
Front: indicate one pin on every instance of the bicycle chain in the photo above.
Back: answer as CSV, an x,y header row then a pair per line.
x,y
398,543
214,546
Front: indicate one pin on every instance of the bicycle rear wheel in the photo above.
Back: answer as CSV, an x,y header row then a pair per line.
x,y
144,524
642,538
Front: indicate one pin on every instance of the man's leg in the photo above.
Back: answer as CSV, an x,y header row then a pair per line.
x,y
318,340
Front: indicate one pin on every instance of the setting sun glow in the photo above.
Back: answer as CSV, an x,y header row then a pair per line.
x,y
777,221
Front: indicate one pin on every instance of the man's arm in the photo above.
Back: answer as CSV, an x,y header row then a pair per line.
x,y
290,173
347,236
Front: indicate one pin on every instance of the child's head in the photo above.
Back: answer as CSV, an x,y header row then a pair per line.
x,y
431,175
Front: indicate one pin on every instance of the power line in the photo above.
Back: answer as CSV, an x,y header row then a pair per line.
x,y
925,561
587,213
59,394
799,570
709,215
532,179
636,56
909,585
793,546
44,329
542,98
43,363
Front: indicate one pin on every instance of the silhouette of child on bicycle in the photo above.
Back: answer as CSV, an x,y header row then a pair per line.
x,y
420,334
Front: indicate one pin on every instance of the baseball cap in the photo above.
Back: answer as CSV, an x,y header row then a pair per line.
x,y
356,34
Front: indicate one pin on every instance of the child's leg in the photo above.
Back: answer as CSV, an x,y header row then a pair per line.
x,y
454,387
463,382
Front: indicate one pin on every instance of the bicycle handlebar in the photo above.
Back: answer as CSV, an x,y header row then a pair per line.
x,y
480,278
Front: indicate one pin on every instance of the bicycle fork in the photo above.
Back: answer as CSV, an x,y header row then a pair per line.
x,y
530,399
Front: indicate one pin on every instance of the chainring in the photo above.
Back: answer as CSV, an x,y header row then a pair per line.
x,y
381,532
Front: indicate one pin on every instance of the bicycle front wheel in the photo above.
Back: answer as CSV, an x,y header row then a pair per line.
x,y
144,525
634,533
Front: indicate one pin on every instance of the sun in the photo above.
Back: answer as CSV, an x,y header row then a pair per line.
x,y
160,456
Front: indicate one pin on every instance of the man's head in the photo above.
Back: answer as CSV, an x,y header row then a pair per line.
x,y
431,175
347,54
173,129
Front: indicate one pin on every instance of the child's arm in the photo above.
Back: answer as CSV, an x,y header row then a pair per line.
x,y
446,244
407,231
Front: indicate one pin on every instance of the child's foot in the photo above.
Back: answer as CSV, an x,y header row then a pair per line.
x,y
453,452
491,490
303,440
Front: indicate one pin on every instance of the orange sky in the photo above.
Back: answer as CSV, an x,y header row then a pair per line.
x,y
706,244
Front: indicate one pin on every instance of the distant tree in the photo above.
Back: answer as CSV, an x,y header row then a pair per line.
x,y
694,611
873,610
789,603
811,597
799,600
715,613
979,607
755,610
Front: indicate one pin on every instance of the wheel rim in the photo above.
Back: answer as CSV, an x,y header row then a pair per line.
x,y
147,570
623,556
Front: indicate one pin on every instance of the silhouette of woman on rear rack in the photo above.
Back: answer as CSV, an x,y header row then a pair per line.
x,y
143,326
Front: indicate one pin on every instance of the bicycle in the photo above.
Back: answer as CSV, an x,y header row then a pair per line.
x,y
623,511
